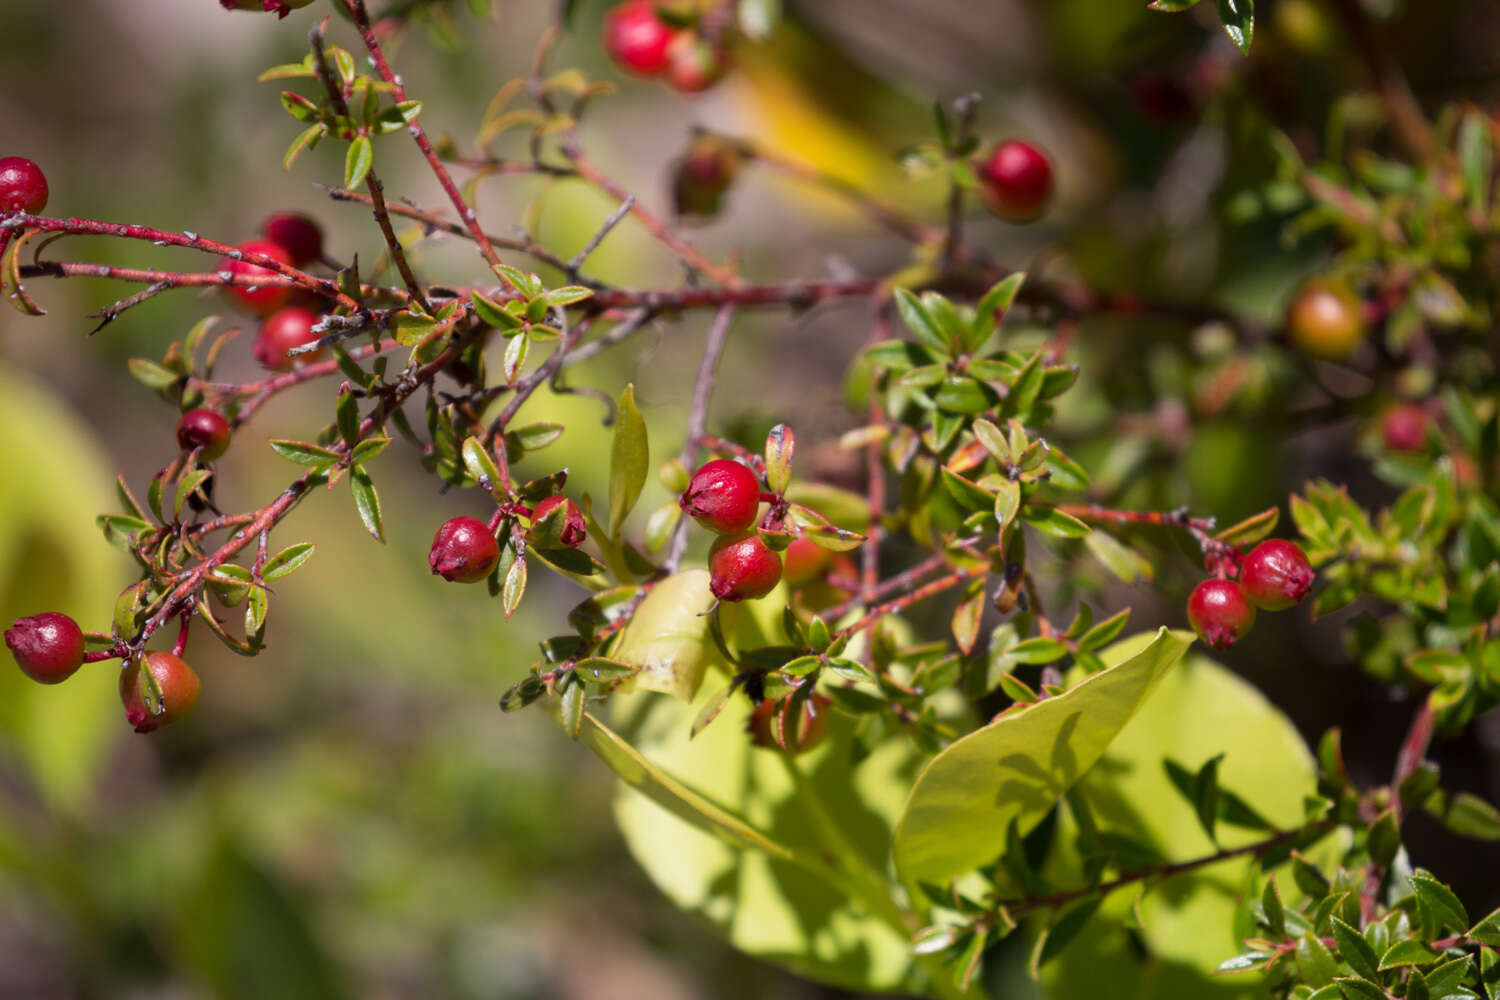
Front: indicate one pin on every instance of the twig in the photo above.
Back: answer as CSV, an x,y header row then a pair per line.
x,y
713,350
598,237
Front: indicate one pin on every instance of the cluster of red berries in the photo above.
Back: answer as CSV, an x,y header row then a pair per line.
x,y
156,688
642,42
724,497
294,240
465,550
1273,577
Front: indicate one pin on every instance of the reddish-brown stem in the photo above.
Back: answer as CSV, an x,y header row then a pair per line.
x,y
434,221
685,251
906,578
1413,748
1201,528
703,385
906,600
91,227
470,219
1258,849
180,646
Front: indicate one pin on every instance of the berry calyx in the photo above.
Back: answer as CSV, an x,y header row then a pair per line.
x,y
693,63
636,38
776,725
23,187
205,429
463,550
48,647
1016,181
1326,320
723,496
1219,612
804,561
1276,575
259,299
1404,427
299,235
280,332
148,705
570,529
742,568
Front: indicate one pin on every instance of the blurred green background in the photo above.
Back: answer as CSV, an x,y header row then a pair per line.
x,y
349,814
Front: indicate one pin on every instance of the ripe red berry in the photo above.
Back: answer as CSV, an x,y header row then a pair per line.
x,y
742,568
280,7
693,63
1326,320
280,332
22,186
149,707
258,299
297,234
463,550
206,429
1219,612
723,496
1276,575
1016,181
636,38
805,560
1404,427
49,646
799,731
573,529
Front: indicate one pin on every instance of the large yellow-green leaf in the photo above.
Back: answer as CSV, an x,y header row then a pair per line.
x,y
1201,710
1017,767
668,638
769,902
53,558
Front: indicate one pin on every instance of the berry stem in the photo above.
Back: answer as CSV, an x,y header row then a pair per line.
x,y
703,385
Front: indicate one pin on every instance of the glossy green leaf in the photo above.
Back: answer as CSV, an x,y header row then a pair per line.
x,y
668,638
358,161
629,461
1017,767
367,502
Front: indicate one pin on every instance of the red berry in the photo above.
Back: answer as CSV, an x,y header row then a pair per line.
x,y
1276,575
463,550
723,496
742,568
206,429
573,528
703,175
1326,320
258,299
805,560
297,234
798,731
1219,612
636,39
22,186
173,696
49,646
1016,181
694,64
280,332
1404,427
280,7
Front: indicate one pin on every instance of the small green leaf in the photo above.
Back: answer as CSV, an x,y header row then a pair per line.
x,y
287,561
780,445
480,465
567,295
1440,900
570,712
358,161
367,501
1384,839
1239,21
1053,521
1356,951
1408,952
514,587
1314,961
308,138
922,326
629,461
304,453
150,374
